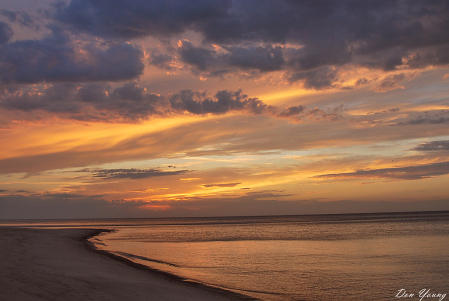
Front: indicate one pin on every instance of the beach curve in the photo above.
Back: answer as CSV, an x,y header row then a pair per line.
x,y
61,264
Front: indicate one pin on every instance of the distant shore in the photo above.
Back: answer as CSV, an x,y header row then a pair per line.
x,y
60,264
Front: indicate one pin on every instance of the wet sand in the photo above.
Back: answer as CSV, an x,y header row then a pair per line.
x,y
60,265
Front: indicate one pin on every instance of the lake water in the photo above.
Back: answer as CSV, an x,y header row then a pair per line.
x,y
323,257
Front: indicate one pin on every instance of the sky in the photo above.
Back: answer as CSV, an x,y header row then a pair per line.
x,y
174,108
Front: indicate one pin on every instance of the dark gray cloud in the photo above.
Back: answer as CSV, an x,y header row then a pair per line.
x,y
265,58
316,79
55,98
431,117
57,206
318,114
318,37
131,102
291,111
58,58
390,82
261,58
429,120
131,173
162,61
128,101
139,18
21,17
201,58
400,173
223,102
438,57
442,145
384,111
5,33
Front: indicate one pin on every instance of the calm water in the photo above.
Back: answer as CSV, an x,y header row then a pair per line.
x,y
328,257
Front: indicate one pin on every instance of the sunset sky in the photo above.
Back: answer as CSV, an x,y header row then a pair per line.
x,y
165,108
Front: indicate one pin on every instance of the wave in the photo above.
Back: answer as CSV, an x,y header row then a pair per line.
x,y
145,258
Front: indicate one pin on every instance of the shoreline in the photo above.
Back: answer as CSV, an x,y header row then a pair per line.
x,y
62,264
172,277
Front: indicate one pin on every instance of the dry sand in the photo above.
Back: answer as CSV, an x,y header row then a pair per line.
x,y
57,264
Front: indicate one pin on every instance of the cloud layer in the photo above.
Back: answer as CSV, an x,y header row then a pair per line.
x,y
433,146
92,92
130,102
73,206
401,173
308,39
131,173
59,58
310,42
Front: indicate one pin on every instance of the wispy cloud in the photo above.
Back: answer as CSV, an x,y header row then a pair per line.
x,y
442,145
220,185
400,173
131,173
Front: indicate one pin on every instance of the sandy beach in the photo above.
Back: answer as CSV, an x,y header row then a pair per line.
x,y
58,264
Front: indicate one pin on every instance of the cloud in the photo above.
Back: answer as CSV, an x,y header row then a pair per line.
x,y
140,18
131,173
310,40
225,101
291,111
5,33
236,134
162,61
400,173
390,82
321,78
131,102
253,59
60,206
59,58
21,17
362,81
442,145
264,59
427,120
201,58
220,185
231,59
433,116
73,206
318,114
54,98
384,111
255,205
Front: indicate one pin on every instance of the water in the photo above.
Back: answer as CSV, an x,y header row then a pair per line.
x,y
324,257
